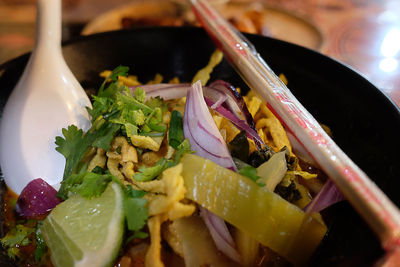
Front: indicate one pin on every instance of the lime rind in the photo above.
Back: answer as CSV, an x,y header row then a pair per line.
x,y
58,246
70,245
86,232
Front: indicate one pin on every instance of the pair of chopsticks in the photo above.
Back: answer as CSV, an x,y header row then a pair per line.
x,y
369,201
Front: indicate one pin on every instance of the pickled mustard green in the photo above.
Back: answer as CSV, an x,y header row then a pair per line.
x,y
264,215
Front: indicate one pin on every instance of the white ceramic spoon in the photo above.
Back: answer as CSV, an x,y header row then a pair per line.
x,y
46,99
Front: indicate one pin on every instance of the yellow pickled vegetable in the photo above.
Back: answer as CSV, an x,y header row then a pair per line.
x,y
255,210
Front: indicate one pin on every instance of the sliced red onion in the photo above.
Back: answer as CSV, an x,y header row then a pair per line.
x,y
234,100
219,102
240,124
220,234
166,91
207,142
327,196
199,127
37,198
173,91
329,193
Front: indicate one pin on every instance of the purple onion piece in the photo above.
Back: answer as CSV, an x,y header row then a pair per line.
x,y
199,127
327,196
37,198
240,124
220,234
207,142
231,91
329,193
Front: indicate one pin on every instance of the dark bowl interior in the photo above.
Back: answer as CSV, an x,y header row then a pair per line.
x,y
363,120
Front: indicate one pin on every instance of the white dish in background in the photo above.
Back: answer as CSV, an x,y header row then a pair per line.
x,y
275,22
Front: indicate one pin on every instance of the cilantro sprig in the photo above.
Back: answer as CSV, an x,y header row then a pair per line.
x,y
116,104
114,110
75,144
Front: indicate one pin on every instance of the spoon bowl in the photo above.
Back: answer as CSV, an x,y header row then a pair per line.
x,y
46,99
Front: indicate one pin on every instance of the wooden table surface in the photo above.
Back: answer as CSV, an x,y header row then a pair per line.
x,y
364,34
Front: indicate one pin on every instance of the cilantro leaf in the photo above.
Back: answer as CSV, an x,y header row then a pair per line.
x,y
138,117
251,172
155,102
129,102
101,105
149,173
88,184
175,133
136,211
118,71
16,237
139,94
104,136
131,192
183,148
72,138
74,144
130,129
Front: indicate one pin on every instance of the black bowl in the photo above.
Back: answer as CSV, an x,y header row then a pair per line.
x,y
363,120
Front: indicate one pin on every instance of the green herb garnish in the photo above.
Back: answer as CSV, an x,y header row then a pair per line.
x,y
135,208
175,133
87,184
41,247
251,172
16,237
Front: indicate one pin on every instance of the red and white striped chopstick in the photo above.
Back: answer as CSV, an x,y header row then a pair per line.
x,y
372,204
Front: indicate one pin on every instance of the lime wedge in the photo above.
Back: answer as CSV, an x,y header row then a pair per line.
x,y
86,232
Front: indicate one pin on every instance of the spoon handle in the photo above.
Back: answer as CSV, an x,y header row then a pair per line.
x,y
48,26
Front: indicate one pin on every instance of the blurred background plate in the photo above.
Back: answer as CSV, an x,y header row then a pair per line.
x,y
251,17
363,120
